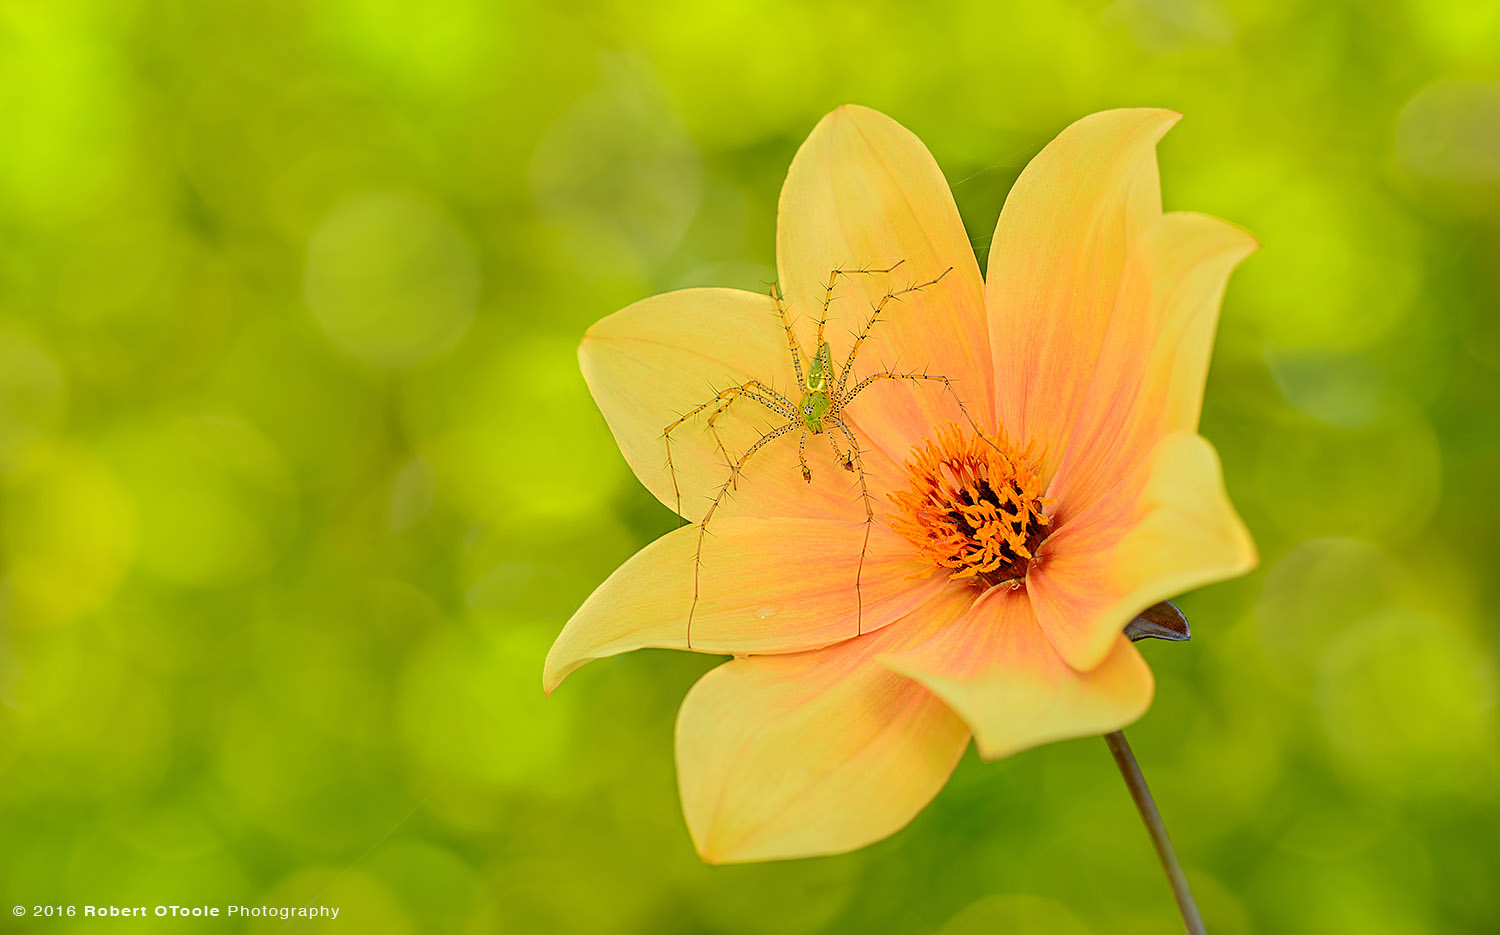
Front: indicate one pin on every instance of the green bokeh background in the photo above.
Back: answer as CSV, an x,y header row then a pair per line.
x,y
298,477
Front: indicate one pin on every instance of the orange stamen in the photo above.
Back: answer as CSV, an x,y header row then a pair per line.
x,y
972,506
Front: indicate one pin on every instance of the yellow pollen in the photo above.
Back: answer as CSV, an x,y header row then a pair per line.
x,y
972,506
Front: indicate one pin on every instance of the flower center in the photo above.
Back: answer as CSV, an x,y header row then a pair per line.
x,y
972,506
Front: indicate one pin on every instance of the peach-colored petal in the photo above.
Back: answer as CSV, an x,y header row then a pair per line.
x,y
656,360
863,192
766,586
999,672
1056,263
818,752
1190,257
1150,374
1109,563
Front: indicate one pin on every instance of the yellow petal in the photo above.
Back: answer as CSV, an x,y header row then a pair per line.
x,y
815,753
653,362
1056,263
1190,257
999,672
766,586
863,192
1124,554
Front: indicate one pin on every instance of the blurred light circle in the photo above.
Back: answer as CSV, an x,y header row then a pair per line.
x,y
1344,270
390,279
325,673
67,535
1375,481
1408,703
169,832
1341,389
85,706
65,101
433,882
413,491
429,49
470,708
318,410
489,432
33,394
1451,131
619,166
811,895
214,496
593,891
362,900
1016,914
1315,592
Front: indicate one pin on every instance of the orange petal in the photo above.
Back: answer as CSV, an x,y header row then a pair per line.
x,y
766,586
863,192
1107,564
1150,374
815,753
652,362
998,671
1056,263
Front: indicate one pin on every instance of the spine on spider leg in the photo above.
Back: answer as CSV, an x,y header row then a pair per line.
x,y
713,508
978,431
672,473
819,343
754,390
864,333
833,278
791,337
864,490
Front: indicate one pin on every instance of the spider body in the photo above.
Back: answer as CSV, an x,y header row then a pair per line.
x,y
825,393
815,402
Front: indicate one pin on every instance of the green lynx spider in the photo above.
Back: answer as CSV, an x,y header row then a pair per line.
x,y
825,394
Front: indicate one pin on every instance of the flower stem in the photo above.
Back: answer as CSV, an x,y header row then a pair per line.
x,y
1136,783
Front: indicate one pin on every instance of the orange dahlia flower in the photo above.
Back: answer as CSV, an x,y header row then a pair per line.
x,y
943,574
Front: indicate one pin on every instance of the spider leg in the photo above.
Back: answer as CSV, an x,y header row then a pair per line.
x,y
802,454
714,430
946,383
750,389
856,464
755,391
833,278
791,337
846,460
714,506
875,310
